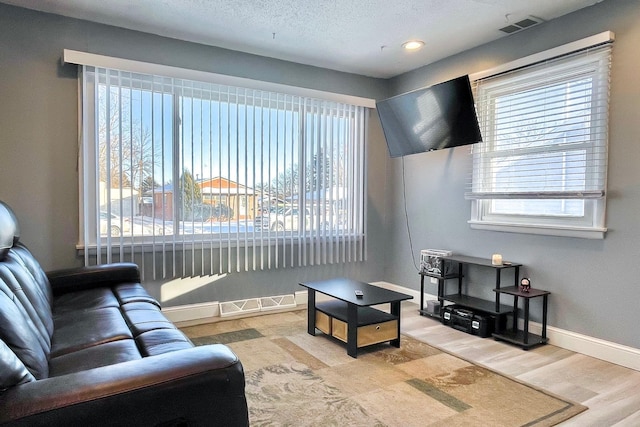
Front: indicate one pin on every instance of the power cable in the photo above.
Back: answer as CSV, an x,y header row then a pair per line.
x,y
406,216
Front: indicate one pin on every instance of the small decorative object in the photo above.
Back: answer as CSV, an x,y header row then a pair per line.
x,y
525,284
496,259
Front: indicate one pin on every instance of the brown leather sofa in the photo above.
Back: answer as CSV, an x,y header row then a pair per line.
x,y
89,346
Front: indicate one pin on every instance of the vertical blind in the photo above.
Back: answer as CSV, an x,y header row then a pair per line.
x,y
544,129
191,178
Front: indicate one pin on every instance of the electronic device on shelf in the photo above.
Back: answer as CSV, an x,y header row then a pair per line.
x,y
467,321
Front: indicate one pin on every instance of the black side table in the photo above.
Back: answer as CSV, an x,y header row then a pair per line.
x,y
524,338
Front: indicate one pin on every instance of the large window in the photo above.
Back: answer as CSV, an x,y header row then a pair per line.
x,y
202,178
543,163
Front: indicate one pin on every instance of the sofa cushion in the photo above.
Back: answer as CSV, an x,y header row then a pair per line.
x,y
93,357
83,329
143,317
159,341
88,299
133,292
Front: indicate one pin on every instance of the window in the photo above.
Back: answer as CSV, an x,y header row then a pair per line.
x,y
199,178
542,166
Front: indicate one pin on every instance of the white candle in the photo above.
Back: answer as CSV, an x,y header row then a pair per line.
x,y
496,259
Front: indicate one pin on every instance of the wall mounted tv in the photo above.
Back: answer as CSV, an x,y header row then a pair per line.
x,y
433,118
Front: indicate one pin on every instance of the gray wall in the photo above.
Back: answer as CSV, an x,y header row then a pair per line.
x,y
594,283
39,139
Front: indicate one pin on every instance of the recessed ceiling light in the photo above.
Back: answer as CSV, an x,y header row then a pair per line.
x,y
413,44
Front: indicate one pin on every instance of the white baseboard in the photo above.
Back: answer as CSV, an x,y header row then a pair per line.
x,y
595,347
584,344
190,312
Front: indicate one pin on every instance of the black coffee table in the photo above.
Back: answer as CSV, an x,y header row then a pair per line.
x,y
351,319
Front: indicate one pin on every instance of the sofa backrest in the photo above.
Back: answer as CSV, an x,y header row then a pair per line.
x,y
32,287
26,320
12,249
19,333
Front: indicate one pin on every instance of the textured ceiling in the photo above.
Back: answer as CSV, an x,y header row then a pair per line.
x,y
362,37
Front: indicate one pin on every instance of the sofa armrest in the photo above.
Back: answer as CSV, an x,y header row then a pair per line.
x,y
197,386
105,275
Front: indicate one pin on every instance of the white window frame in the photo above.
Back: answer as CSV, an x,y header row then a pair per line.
x,y
319,245
592,223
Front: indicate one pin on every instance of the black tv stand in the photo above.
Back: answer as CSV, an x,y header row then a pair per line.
x,y
454,267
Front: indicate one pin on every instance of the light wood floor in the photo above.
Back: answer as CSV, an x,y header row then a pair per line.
x,y
611,392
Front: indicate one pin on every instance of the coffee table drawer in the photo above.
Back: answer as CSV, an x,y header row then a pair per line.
x,y
323,322
367,335
339,329
380,332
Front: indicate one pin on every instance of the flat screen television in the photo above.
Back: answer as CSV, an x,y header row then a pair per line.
x,y
433,118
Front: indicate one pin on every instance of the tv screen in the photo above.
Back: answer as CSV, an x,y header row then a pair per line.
x,y
432,118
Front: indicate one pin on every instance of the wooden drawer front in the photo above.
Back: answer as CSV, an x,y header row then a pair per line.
x,y
323,322
339,329
378,332
367,335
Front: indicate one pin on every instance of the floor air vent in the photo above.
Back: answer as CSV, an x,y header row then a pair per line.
x,y
232,308
281,301
253,305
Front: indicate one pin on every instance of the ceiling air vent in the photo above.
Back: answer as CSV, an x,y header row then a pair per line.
x,y
521,25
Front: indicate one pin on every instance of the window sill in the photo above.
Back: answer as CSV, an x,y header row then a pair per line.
x,y
578,232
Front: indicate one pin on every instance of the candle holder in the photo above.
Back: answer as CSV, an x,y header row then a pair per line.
x,y
496,259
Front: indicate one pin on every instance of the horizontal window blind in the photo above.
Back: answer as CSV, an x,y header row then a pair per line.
x,y
544,129
192,178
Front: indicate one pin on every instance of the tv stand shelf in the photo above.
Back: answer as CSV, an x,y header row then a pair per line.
x,y
478,304
492,308
440,280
